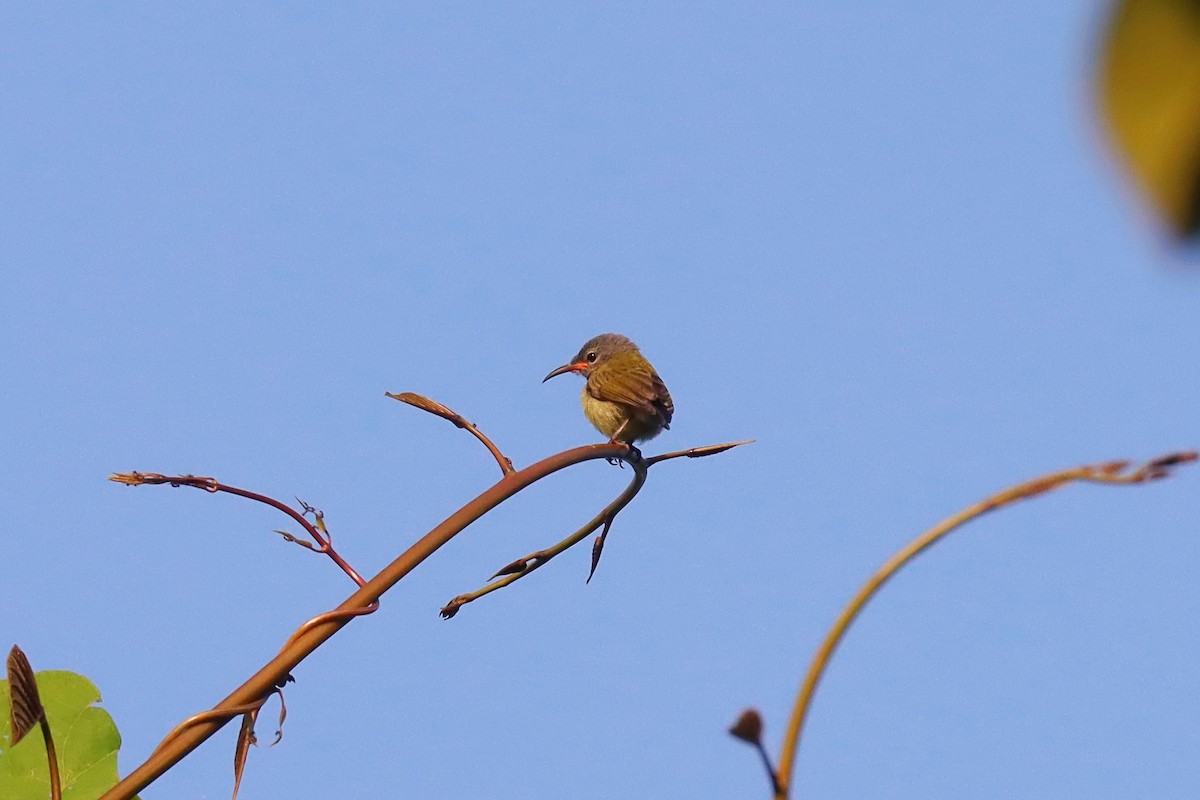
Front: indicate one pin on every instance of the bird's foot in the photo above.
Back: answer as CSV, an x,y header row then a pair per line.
x,y
634,454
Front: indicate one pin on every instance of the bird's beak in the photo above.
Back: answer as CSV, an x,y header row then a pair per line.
x,y
582,365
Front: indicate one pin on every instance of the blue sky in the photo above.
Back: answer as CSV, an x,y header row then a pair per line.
x,y
888,243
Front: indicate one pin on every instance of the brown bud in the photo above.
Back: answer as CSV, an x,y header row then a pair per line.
x,y
516,567
748,727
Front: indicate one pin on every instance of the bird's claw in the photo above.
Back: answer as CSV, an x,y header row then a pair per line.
x,y
634,454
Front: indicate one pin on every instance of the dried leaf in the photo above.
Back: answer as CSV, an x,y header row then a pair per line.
x,y
241,750
598,548
25,705
425,404
282,715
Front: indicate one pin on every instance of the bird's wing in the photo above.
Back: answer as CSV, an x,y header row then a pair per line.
x,y
662,402
644,392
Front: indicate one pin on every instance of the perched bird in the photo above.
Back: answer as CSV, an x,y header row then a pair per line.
x,y
624,397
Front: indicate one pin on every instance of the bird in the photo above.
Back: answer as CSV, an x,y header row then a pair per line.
x,y
623,397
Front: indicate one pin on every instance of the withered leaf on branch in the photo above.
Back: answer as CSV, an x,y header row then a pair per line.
x,y
241,750
425,404
26,709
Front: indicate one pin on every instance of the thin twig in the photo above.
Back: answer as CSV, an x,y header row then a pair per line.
x,y
52,761
1110,473
697,452
323,542
434,407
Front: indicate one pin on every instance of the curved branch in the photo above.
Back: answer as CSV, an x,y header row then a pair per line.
x,y
317,631
523,566
324,543
1112,472
434,407
527,564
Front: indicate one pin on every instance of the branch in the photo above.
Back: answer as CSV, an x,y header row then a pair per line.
x,y
434,407
1113,472
312,634
697,452
324,543
527,564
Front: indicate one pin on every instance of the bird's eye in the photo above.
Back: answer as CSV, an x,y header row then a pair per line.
x,y
591,356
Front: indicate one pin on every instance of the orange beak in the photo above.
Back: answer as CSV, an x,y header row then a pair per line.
x,y
579,367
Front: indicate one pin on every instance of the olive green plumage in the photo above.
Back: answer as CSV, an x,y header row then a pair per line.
x,y
624,397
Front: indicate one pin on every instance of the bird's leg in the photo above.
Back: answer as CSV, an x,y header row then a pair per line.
x,y
616,439
634,453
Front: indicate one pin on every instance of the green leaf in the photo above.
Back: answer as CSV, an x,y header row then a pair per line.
x,y
85,736
1150,91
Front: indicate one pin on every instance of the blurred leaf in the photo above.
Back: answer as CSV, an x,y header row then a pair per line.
x,y
1150,87
86,738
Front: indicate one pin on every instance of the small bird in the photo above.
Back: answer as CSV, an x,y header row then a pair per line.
x,y
624,397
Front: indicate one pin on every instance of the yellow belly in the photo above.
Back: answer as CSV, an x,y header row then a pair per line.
x,y
608,418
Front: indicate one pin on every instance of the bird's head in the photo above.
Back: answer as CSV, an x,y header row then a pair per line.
x,y
596,352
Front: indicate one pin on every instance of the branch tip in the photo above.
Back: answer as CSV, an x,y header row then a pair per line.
x,y
698,452
1174,459
450,609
